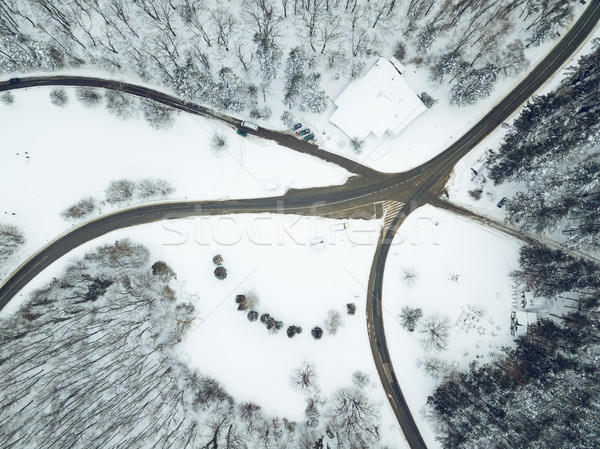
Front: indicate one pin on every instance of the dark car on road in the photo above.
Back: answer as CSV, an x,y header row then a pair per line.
x,y
502,202
242,133
304,132
311,136
14,80
297,126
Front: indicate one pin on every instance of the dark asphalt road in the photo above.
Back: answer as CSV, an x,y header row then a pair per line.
x,y
412,187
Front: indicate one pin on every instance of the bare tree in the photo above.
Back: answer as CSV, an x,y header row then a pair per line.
x,y
360,379
154,188
11,239
304,377
434,332
218,142
119,103
409,317
80,209
119,191
157,115
224,24
409,276
434,366
354,417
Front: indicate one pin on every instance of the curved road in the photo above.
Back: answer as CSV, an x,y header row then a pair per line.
x,y
369,186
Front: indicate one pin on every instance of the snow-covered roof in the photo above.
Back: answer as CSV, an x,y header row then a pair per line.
x,y
378,102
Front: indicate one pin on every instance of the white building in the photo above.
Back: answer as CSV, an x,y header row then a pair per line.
x,y
378,102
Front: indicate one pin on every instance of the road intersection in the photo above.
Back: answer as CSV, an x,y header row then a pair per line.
x,y
421,185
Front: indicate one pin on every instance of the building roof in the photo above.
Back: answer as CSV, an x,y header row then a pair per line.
x,y
378,102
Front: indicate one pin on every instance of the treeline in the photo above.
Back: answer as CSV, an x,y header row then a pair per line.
x,y
544,392
91,360
552,149
228,57
11,239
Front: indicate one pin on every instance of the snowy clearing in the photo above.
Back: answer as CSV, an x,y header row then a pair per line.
x,y
55,156
299,268
462,272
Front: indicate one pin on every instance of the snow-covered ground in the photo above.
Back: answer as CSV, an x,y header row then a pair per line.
x,y
429,134
438,245
463,180
297,279
52,157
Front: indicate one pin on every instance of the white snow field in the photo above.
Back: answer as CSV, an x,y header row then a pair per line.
x,y
438,245
52,157
299,268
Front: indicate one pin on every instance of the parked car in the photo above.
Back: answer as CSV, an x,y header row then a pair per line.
x,y
14,80
249,125
242,133
297,126
502,202
304,132
311,136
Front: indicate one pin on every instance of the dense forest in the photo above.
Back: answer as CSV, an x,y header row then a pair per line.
x,y
230,55
553,148
91,360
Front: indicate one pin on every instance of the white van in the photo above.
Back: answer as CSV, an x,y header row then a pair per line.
x,y
249,125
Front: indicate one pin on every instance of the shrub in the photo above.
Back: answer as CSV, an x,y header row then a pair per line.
x,y
287,119
220,273
273,326
7,98
119,104
218,260
333,322
427,99
316,332
357,144
252,315
59,97
80,209
400,51
293,330
158,116
242,302
218,142
246,302
351,308
119,191
476,194
88,96
161,269
154,188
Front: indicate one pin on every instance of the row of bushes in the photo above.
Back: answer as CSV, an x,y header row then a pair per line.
x,y
119,191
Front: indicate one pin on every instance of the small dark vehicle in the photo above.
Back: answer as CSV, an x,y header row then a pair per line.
x,y
297,126
304,132
502,202
14,80
242,133
311,136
